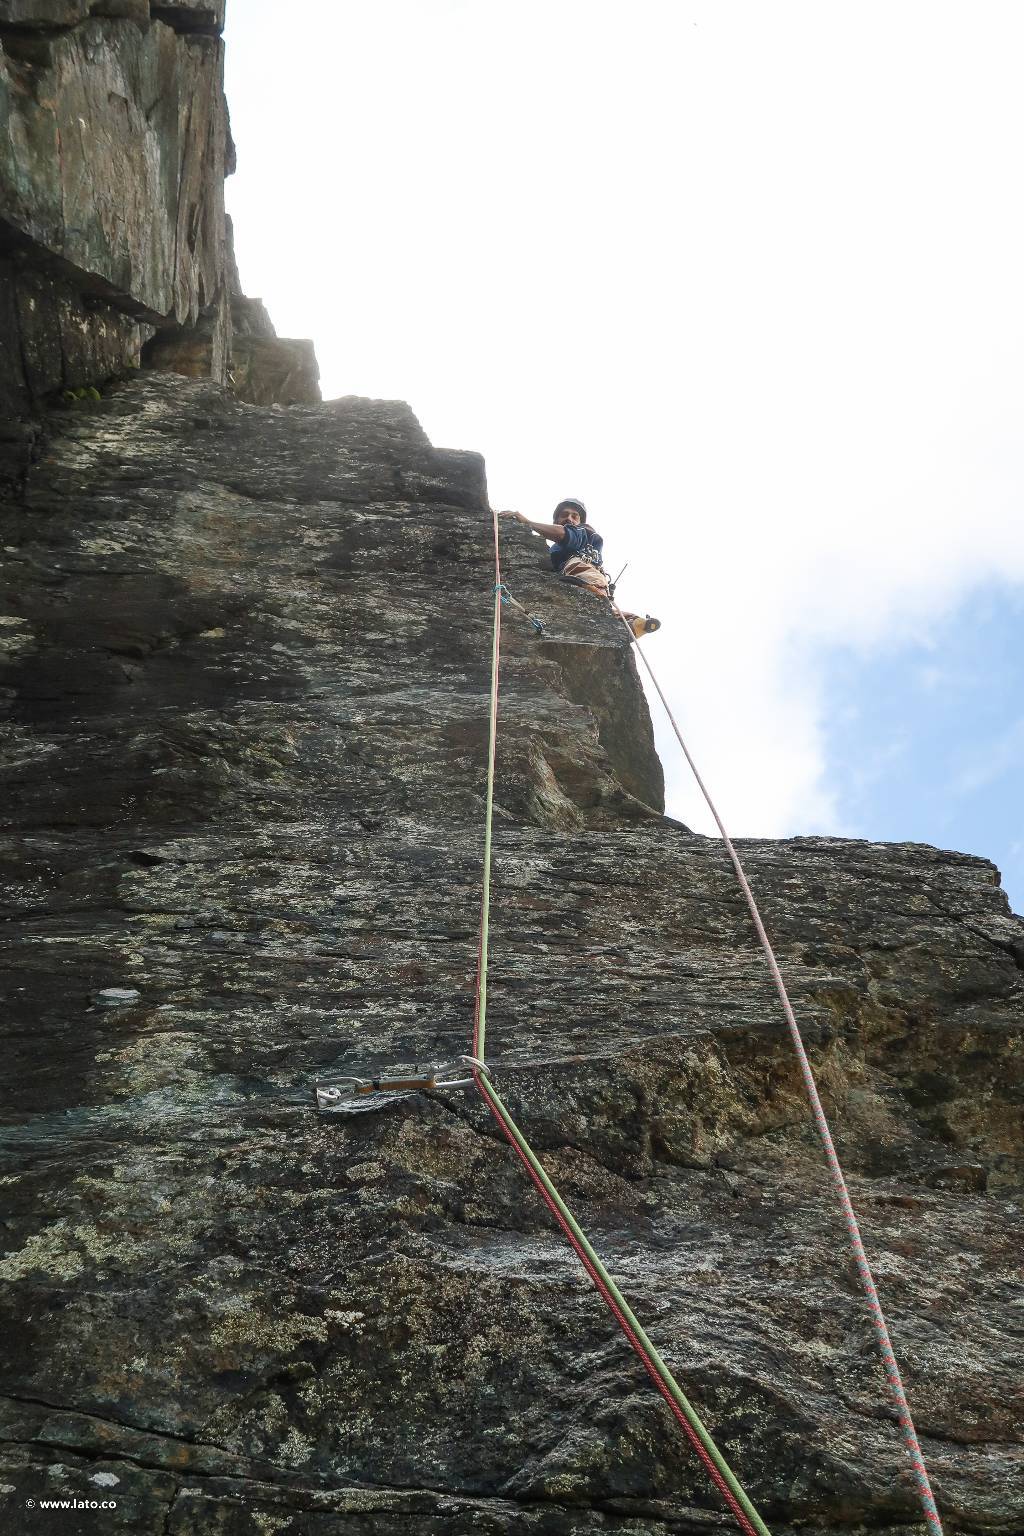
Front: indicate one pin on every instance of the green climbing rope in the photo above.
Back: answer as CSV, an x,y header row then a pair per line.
x,y
718,1469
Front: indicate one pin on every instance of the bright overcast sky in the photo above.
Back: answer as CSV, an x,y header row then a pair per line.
x,y
747,278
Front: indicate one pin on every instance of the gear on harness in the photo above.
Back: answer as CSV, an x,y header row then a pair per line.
x,y
338,1091
614,583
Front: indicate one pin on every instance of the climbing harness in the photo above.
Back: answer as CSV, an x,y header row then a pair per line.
x,y
714,1462
339,1091
506,597
892,1371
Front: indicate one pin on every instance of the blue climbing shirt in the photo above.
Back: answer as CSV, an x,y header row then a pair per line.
x,y
580,543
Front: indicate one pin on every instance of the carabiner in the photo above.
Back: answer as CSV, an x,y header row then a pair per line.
x,y
340,1090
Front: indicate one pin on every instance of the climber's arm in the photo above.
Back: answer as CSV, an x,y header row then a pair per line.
x,y
553,531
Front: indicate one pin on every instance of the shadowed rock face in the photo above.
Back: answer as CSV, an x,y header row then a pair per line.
x,y
114,247
246,669
114,145
271,370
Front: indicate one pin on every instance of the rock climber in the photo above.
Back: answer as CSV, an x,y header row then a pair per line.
x,y
576,557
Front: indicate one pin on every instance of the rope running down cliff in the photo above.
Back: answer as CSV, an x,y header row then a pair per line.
x,y
714,1462
892,1370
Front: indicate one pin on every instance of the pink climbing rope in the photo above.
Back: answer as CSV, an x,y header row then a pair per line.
x,y
867,1280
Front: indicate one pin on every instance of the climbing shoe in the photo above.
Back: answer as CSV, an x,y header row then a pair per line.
x,y
644,626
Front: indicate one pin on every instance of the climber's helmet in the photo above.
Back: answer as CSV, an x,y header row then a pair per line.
x,y
570,505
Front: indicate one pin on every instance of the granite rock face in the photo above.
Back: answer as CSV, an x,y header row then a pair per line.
x,y
274,370
266,369
246,658
114,146
114,248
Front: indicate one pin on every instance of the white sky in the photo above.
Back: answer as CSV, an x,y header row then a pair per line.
x,y
746,277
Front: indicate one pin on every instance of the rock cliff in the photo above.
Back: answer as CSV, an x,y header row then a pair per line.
x,y
246,658
114,249
244,670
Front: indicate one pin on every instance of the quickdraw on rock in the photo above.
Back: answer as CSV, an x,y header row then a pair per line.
x,y
340,1091
506,597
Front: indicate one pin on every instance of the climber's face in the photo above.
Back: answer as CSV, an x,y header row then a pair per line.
x,y
567,515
